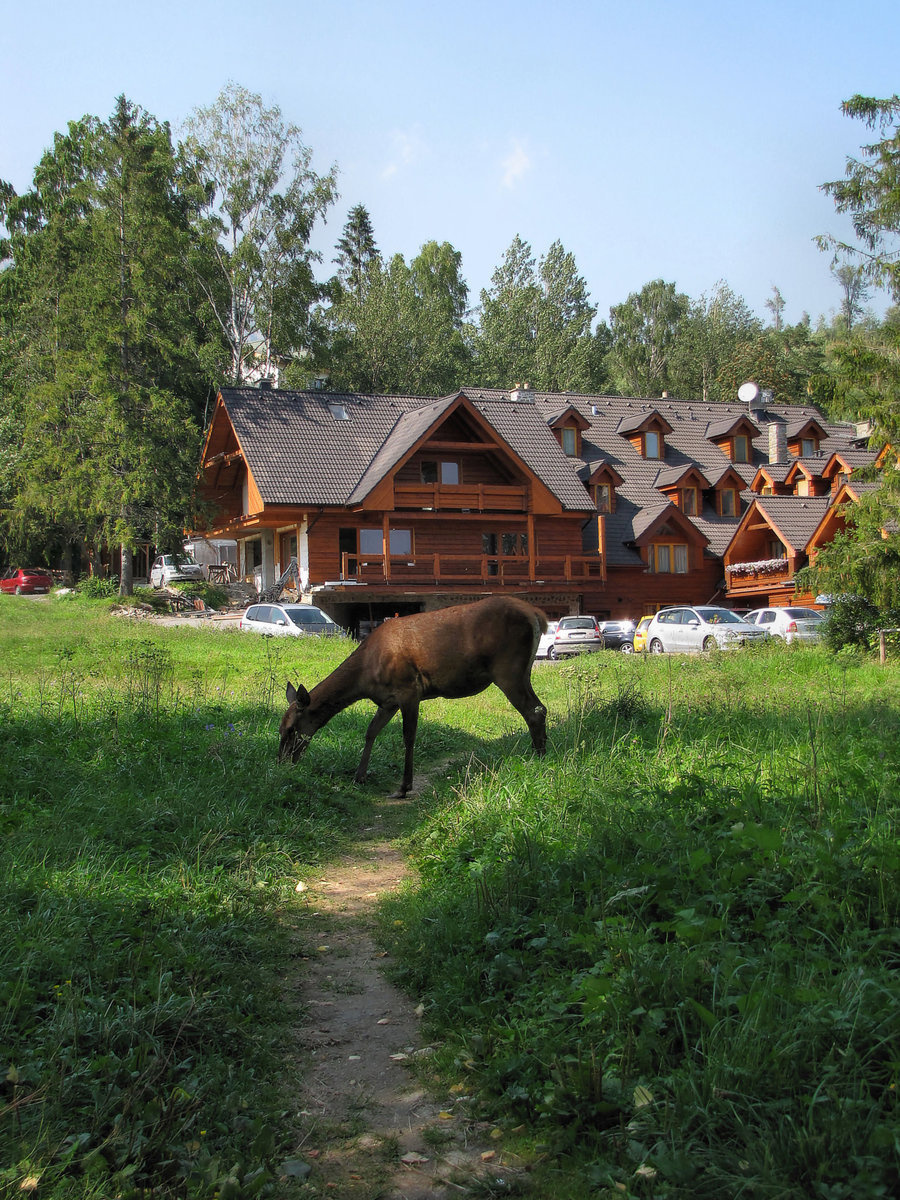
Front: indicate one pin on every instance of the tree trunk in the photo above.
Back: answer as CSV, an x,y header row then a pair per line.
x,y
126,572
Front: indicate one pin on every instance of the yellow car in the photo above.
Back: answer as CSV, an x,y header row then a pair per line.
x,y
640,634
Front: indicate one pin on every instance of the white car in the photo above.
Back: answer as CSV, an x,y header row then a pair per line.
x,y
690,630
790,624
169,568
546,640
289,620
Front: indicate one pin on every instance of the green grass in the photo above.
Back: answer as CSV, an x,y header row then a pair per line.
x,y
669,951
664,958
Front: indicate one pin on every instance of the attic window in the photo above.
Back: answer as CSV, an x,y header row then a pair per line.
x,y
338,411
569,440
652,444
728,502
741,448
808,447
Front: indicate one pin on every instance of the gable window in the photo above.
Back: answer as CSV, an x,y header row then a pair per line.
x,y
371,541
728,502
652,444
808,447
668,559
440,472
603,497
569,440
689,501
741,448
776,548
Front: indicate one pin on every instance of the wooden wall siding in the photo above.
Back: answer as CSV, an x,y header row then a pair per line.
x,y
630,592
476,497
478,468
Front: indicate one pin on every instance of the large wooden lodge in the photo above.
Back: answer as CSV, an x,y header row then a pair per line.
x,y
599,504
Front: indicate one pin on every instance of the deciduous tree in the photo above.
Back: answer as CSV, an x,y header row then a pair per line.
x,y
262,200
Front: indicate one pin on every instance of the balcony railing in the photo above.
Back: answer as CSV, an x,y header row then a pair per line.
x,y
476,497
470,568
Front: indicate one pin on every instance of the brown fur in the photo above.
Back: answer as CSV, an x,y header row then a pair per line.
x,y
452,652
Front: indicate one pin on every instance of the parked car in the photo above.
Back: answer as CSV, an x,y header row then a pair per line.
x,y
789,624
690,630
618,635
289,620
640,635
169,568
546,641
26,581
575,635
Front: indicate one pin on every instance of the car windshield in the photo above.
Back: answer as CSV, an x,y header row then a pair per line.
x,y
301,615
719,616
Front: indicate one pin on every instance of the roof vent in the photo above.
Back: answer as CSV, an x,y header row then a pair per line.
x,y
265,385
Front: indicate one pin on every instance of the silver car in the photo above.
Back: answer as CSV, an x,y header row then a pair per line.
x,y
789,624
289,620
690,630
169,568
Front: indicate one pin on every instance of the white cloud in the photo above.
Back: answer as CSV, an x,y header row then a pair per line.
x,y
407,147
516,164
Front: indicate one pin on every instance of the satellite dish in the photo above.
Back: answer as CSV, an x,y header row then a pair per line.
x,y
748,392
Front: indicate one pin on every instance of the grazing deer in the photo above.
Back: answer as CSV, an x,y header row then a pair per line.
x,y
453,652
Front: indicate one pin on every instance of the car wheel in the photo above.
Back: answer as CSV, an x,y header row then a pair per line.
x,y
18,590
710,644
656,646
552,655
626,648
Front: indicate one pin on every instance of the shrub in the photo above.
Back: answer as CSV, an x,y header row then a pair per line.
x,y
851,621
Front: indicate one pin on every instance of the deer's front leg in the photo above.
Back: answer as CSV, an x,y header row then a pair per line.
x,y
376,725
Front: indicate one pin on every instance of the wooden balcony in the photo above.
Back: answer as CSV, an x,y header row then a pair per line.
x,y
485,569
478,497
755,577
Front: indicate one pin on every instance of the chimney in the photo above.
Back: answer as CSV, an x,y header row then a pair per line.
x,y
777,441
265,385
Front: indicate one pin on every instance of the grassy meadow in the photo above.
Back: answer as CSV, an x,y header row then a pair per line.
x,y
662,961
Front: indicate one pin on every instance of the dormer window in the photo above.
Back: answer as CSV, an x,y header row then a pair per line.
x,y
653,444
808,447
603,497
689,501
569,440
728,502
741,448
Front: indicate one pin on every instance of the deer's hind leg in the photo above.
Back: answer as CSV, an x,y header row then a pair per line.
x,y
524,700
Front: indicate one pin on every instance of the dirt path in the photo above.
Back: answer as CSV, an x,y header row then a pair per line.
x,y
371,1129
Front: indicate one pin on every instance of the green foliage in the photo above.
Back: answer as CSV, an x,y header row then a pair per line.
x,y
668,950
645,331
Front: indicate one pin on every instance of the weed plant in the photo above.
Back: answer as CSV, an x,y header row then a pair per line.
x,y
670,948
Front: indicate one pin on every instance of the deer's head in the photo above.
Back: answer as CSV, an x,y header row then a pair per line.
x,y
297,727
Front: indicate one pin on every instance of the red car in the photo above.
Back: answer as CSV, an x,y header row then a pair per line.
x,y
27,581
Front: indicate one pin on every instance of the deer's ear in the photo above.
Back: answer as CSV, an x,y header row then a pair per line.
x,y
298,694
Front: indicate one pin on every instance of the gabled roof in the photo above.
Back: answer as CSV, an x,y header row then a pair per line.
x,y
800,425
849,458
672,476
298,453
652,519
793,518
637,422
725,426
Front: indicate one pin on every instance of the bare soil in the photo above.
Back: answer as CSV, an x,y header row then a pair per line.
x,y
372,1127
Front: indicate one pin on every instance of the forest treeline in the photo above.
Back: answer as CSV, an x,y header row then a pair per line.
x,y
140,273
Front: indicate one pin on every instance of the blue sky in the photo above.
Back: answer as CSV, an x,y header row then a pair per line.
x,y
684,139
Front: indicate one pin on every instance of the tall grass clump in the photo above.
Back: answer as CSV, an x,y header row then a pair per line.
x,y
150,848
670,949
